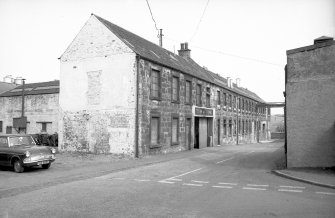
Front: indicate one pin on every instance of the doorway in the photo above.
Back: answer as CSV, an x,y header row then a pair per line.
x,y
188,133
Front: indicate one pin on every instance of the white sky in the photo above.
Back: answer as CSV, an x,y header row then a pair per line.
x,y
34,33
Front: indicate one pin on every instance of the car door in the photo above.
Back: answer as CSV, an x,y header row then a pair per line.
x,y
4,151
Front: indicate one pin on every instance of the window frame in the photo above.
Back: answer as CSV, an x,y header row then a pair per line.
x,y
158,116
175,117
159,92
198,103
190,92
177,89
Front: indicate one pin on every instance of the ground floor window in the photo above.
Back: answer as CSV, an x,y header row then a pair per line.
x,y
230,127
154,129
224,127
0,126
44,126
235,125
175,132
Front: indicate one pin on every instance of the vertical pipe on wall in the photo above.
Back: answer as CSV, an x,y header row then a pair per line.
x,y
137,107
22,110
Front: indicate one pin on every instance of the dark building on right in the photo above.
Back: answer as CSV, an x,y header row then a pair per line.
x,y
310,104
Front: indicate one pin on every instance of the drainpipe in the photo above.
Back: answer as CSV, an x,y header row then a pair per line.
x,y
137,106
237,126
285,117
22,110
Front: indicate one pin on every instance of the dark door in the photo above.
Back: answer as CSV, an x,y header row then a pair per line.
x,y
8,130
188,133
196,132
218,131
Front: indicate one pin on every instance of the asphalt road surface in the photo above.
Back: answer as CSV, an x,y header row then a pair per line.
x,y
226,181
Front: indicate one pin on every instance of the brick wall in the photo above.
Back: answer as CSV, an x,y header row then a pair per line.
x,y
38,109
310,96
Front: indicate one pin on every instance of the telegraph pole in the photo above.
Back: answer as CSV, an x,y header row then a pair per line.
x,y
160,36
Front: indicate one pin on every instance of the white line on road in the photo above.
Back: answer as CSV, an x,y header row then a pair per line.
x,y
142,180
118,178
227,183
224,160
173,177
176,179
167,182
255,189
254,185
221,186
325,193
197,181
287,186
191,184
289,190
250,152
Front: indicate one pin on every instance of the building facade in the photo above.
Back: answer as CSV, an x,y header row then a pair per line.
x,y
310,104
133,97
40,108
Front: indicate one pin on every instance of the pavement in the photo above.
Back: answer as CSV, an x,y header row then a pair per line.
x,y
324,177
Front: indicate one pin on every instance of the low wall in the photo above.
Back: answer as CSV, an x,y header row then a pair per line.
x,y
277,135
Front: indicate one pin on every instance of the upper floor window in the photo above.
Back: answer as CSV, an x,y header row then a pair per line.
x,y
208,97
198,93
188,92
218,97
175,89
155,84
230,101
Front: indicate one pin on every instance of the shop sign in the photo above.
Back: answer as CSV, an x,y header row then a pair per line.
x,y
203,112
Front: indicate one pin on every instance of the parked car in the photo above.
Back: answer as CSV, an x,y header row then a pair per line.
x,y
21,151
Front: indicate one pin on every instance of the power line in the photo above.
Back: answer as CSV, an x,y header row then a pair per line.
x,y
231,55
198,25
152,15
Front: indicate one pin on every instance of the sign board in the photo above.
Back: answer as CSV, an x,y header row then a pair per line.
x,y
204,112
20,122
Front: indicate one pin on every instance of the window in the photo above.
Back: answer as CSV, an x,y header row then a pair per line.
x,y
154,129
218,97
198,92
239,103
235,126
175,132
230,127
208,97
224,127
243,127
188,92
239,127
3,142
224,99
155,84
175,89
0,126
44,127
235,101
228,100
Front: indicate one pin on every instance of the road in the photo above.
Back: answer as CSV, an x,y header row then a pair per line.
x,y
226,181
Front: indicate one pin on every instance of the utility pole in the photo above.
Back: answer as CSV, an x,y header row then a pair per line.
x,y
160,36
22,111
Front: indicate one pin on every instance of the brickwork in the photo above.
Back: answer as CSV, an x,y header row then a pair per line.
x,y
38,109
310,96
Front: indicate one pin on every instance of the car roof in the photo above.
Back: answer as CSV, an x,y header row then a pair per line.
x,y
8,135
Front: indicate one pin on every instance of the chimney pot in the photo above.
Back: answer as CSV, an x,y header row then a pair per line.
x,y
181,46
186,45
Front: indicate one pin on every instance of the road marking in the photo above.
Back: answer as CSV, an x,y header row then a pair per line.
x,y
287,186
176,179
142,180
289,190
255,189
167,182
250,152
224,160
191,184
325,193
173,177
200,181
118,178
227,183
221,186
254,185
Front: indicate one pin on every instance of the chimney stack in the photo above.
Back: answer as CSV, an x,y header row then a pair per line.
x,y
184,51
238,82
229,82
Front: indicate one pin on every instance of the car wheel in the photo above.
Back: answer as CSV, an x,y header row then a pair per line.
x,y
18,166
46,166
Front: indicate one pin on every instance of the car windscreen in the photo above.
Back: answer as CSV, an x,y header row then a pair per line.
x,y
20,140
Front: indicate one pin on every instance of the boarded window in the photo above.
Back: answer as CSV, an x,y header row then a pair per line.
x,y
188,92
198,92
175,125
155,84
175,88
154,130
94,87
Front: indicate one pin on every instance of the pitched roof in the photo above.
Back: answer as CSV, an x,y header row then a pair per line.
x,y
155,53
6,86
34,89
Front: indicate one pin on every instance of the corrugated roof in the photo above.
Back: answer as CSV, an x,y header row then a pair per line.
x,y
155,53
34,89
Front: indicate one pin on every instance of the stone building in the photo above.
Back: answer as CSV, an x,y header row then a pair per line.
x,y
310,104
120,93
40,108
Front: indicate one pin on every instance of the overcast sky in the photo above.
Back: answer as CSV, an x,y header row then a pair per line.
x,y
244,39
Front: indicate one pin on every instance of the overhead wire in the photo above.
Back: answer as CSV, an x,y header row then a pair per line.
x,y
198,25
152,16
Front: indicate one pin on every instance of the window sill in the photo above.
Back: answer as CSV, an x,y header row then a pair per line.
x,y
155,146
175,102
155,99
174,143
